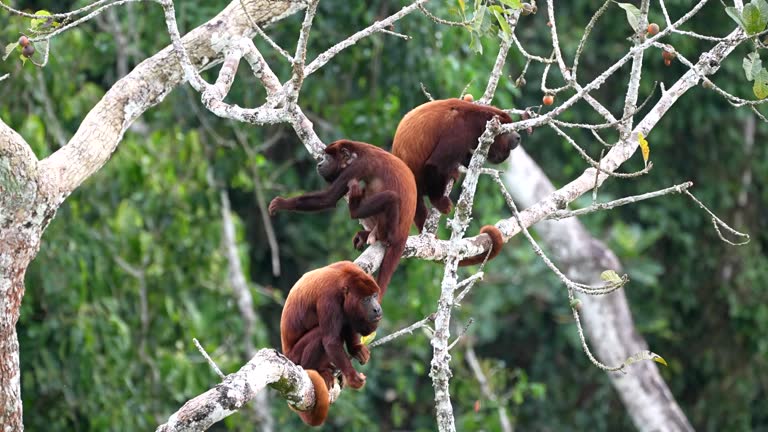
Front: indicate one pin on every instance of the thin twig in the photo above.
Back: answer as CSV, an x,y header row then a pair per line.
x,y
564,214
485,387
208,358
408,330
716,221
461,334
469,283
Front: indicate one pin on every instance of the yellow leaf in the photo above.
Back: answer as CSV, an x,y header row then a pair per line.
x,y
610,276
368,339
644,148
645,355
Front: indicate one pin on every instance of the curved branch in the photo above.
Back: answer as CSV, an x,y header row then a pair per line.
x,y
146,86
267,368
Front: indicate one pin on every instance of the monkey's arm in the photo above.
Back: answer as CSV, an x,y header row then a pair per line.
x,y
312,201
330,315
355,346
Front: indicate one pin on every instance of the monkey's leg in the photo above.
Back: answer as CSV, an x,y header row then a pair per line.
x,y
436,182
386,204
359,240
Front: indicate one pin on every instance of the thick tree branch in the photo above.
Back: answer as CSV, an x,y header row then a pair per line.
x,y
266,368
18,173
146,86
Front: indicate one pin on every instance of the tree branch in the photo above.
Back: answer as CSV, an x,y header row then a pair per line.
x,y
267,368
18,174
146,86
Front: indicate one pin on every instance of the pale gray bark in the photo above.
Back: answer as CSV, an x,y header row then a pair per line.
x,y
266,368
25,210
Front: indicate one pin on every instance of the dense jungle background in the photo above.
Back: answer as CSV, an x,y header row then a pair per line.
x,y
104,348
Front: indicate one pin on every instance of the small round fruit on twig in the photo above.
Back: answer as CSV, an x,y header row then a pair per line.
x,y
668,57
28,51
653,29
548,99
23,41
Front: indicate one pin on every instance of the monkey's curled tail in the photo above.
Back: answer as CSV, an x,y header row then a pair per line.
x,y
317,415
497,241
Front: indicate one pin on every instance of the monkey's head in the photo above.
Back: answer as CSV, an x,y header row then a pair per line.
x,y
361,304
336,158
371,309
502,146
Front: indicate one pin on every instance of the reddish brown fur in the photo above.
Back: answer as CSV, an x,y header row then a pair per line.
x,y
435,137
497,242
386,202
317,415
325,311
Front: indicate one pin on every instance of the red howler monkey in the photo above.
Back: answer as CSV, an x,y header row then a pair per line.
x,y
385,203
435,137
325,310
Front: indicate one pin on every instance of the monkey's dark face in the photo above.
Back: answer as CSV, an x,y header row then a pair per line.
x,y
328,167
502,146
336,159
368,315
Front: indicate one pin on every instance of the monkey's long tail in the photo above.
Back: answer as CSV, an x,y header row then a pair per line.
x,y
317,415
389,264
497,241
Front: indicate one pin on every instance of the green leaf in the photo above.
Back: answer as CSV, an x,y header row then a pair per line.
x,y
633,14
754,21
39,22
475,44
463,6
610,276
762,6
502,23
9,49
734,14
761,84
752,65
514,4
483,24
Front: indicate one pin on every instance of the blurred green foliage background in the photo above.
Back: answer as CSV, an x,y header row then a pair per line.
x,y
103,349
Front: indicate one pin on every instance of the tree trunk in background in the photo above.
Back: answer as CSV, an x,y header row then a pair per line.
x,y
607,319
